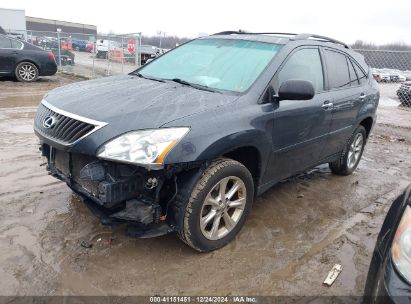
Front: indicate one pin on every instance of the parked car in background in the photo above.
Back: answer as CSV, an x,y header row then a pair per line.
x,y
79,45
185,143
385,75
148,52
401,76
404,94
25,61
67,57
376,75
394,75
389,274
90,47
407,75
104,45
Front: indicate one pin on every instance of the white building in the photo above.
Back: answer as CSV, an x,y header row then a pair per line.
x,y
13,20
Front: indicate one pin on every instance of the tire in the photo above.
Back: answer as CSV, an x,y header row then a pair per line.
x,y
351,154
228,218
26,72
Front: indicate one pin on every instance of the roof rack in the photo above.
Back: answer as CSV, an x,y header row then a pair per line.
x,y
306,36
250,33
303,36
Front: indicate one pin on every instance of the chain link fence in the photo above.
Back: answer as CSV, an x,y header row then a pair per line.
x,y
90,55
392,69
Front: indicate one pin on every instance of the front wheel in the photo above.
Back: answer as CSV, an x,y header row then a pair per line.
x,y
217,207
351,154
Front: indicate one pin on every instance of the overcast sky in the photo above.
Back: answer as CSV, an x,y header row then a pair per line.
x,y
348,20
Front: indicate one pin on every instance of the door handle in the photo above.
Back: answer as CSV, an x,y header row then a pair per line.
x,y
362,96
327,105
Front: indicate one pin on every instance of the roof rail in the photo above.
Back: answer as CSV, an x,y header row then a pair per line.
x,y
304,36
250,33
321,38
229,33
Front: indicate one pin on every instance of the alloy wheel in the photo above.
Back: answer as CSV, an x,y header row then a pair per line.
x,y
27,72
355,150
223,208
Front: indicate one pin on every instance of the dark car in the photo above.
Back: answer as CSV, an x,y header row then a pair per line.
x,y
24,61
186,142
404,94
389,275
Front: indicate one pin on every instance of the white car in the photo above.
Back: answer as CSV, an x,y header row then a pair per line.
x,y
384,75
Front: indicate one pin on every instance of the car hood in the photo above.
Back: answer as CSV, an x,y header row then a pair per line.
x,y
129,102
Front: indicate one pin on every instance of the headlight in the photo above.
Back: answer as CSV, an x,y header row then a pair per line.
x,y
148,147
401,246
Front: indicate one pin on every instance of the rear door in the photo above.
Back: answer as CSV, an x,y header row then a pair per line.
x,y
300,127
347,95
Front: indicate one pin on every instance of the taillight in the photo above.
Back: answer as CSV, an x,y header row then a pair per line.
x,y
52,57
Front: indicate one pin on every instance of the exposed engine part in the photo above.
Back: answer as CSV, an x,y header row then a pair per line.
x,y
140,212
111,193
152,182
93,171
172,198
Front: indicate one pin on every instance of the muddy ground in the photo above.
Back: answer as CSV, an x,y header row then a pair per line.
x,y
296,232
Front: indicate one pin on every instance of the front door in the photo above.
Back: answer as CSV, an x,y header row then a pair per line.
x,y
300,127
6,55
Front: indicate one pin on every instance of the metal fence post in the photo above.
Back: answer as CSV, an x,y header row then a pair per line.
x,y
59,46
139,51
108,57
122,54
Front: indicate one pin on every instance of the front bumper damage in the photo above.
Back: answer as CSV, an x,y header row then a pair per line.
x,y
119,193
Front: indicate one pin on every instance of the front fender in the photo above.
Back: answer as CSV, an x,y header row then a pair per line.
x,y
199,148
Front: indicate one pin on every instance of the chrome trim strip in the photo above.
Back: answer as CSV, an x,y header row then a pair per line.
x,y
71,115
97,124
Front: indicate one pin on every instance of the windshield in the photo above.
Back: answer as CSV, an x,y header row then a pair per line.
x,y
223,64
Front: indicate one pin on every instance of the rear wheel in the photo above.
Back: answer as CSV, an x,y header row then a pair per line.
x,y
26,72
351,155
217,206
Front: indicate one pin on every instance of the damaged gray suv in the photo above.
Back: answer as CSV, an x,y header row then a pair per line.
x,y
185,143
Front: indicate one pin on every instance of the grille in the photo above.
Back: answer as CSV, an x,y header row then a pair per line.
x,y
67,130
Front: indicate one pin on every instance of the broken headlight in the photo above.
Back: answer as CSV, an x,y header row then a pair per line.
x,y
147,147
401,246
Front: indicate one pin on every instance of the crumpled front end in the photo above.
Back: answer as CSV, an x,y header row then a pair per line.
x,y
115,192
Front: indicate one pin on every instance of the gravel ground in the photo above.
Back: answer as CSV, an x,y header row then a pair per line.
x,y
296,232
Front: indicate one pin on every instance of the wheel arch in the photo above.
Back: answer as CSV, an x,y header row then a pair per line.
x,y
250,157
367,123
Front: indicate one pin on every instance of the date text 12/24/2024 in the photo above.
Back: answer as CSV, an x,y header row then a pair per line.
x,y
203,299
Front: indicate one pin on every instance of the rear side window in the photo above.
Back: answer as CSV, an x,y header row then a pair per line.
x,y
16,44
304,64
361,76
353,74
5,43
338,75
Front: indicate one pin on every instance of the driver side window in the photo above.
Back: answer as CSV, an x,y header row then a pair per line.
x,y
305,64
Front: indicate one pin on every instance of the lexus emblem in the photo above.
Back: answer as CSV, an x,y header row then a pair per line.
x,y
49,122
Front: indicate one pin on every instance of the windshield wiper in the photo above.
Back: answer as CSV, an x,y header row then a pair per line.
x,y
194,85
148,77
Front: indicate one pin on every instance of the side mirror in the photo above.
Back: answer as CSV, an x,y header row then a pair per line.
x,y
295,89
